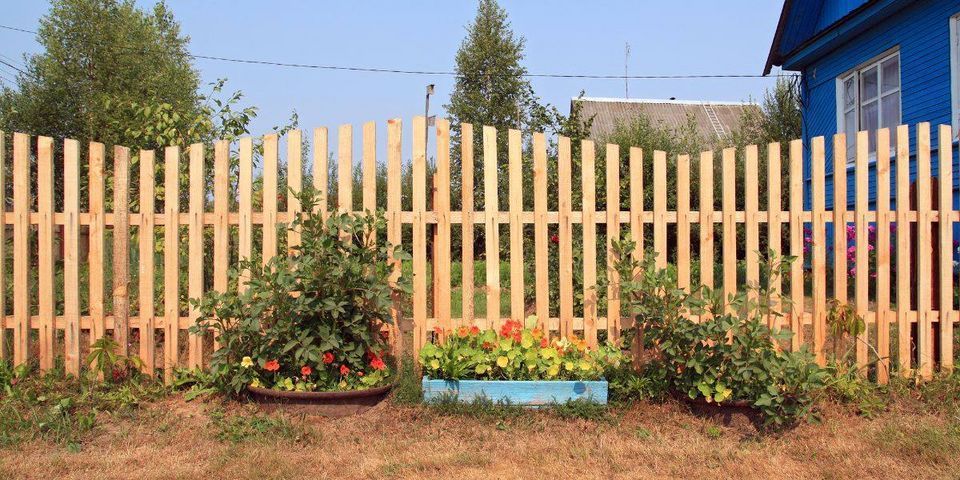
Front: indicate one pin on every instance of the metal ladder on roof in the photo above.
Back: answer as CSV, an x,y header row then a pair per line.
x,y
714,120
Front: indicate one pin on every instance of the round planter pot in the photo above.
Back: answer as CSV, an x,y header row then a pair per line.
x,y
735,413
328,404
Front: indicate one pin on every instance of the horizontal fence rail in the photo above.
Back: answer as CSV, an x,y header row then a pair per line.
x,y
118,251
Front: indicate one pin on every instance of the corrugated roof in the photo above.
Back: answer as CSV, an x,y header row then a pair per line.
x,y
713,119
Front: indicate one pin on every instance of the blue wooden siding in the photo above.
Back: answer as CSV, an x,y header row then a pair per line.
x,y
921,33
833,10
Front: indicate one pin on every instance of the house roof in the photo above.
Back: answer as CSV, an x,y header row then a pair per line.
x,y
712,119
803,22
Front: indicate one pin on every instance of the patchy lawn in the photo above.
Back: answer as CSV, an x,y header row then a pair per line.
x,y
173,438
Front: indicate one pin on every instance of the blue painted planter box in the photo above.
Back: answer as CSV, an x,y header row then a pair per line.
x,y
532,393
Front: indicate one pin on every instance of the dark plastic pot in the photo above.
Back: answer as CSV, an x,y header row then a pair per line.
x,y
328,404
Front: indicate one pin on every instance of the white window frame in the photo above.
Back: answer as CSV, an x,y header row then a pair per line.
x,y
955,71
858,104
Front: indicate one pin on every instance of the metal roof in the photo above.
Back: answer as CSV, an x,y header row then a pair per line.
x,y
712,119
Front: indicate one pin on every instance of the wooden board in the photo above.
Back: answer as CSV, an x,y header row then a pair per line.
x,y
45,254
945,207
862,272
819,250
774,228
71,257
21,247
394,237
660,208
442,207
121,248
95,253
752,227
221,215
565,230
321,169
294,184
683,222
245,194
904,279
636,200
613,234
797,296
883,255
706,220
491,226
145,262
840,267
729,238
195,249
345,168
466,248
171,261
369,172
515,195
924,250
419,234
270,161
589,189
541,247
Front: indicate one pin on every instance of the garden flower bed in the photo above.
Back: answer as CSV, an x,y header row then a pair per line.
x,y
517,365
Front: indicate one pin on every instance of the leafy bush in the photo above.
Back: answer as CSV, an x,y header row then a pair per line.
x,y
728,353
515,353
312,320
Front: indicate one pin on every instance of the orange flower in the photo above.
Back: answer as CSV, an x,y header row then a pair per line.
x,y
328,358
306,370
544,342
536,333
271,366
474,330
463,331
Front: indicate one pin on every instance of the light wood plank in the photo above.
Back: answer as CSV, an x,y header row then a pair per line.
x,y
515,196
904,279
818,163
5,352
95,258
542,253
492,228
245,194
589,189
924,250
321,169
774,228
883,255
21,247
45,255
862,273
121,248
442,207
840,264
752,227
706,220
729,239
636,200
660,208
419,233
221,214
345,168
147,238
394,237
71,257
171,261
369,172
466,249
565,267
270,161
683,222
946,307
797,296
195,249
294,184
613,234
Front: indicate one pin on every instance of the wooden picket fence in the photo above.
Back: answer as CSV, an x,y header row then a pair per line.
x,y
35,324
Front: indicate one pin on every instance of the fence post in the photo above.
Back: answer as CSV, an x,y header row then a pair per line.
x,y
751,224
295,185
121,248
883,255
394,237
797,296
466,248
613,234
146,262
442,242
862,265
945,208
491,207
729,224
924,253
195,248
270,159
95,260
683,222
840,200
774,227
818,188
589,191
245,194
706,219
221,220
45,253
542,252
515,196
71,257
660,208
419,234
171,261
904,307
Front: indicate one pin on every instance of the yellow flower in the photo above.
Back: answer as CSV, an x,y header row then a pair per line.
x,y
585,366
502,361
568,366
247,362
256,383
435,364
554,370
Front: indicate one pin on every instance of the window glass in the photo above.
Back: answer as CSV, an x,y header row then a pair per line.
x,y
890,106
870,121
891,74
868,84
849,94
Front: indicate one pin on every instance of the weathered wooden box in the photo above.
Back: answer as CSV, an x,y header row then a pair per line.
x,y
532,393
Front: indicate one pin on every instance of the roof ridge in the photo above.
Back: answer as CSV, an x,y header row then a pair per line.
x,y
664,101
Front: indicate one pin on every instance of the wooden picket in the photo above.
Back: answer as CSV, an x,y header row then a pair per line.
x,y
685,235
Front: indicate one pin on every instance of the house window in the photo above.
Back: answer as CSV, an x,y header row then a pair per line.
x,y
868,98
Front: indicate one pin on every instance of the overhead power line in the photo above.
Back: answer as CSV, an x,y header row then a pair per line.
x,y
449,73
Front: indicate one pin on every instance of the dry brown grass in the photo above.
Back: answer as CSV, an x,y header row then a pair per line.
x,y
178,439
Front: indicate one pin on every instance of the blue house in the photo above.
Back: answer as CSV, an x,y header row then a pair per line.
x,y
868,64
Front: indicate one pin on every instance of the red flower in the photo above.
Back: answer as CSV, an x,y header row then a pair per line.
x,y
511,328
487,346
271,366
474,330
359,374
555,239
328,358
306,370
344,370
377,363
544,342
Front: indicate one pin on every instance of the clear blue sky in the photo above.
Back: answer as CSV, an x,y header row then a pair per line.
x,y
563,36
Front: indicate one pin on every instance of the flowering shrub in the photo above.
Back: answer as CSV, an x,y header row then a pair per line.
x,y
312,320
515,353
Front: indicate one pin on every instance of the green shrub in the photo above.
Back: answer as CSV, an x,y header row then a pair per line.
x,y
310,320
728,353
